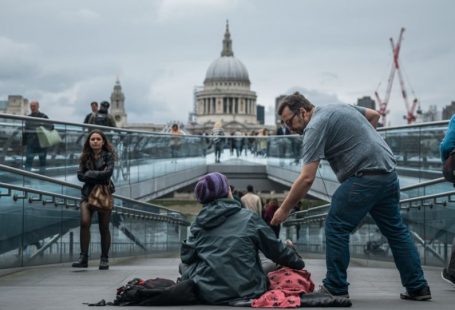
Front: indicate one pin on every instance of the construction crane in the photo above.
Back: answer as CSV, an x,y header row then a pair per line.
x,y
410,107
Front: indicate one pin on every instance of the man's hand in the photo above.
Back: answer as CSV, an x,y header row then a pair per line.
x,y
298,190
279,217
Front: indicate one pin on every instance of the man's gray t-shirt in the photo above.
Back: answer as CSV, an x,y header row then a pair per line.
x,y
342,135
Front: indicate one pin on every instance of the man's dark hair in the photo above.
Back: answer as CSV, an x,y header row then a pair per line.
x,y
94,103
249,188
294,102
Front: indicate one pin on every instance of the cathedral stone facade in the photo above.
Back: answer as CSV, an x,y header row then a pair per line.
x,y
117,108
226,96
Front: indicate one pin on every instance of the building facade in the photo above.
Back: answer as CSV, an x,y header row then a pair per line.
x,y
117,108
431,115
226,96
448,110
366,102
16,105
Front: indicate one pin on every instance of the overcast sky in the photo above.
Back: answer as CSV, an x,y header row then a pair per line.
x,y
68,53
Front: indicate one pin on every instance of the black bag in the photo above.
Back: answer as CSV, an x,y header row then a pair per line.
x,y
156,292
448,169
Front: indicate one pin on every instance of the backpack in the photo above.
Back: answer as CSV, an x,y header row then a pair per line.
x,y
448,169
101,119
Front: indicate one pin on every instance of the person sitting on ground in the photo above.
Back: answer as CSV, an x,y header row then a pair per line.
x,y
221,255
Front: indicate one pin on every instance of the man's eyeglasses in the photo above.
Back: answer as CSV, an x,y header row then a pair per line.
x,y
288,123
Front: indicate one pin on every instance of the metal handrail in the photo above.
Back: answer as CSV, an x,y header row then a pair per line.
x,y
83,125
117,209
427,197
407,201
427,124
431,182
23,118
422,184
59,182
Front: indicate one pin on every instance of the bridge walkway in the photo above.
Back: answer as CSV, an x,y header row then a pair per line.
x,y
62,287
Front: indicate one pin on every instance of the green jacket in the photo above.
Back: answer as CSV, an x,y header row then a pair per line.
x,y
222,253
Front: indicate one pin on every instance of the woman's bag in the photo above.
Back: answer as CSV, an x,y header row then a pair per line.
x,y
100,198
47,138
448,169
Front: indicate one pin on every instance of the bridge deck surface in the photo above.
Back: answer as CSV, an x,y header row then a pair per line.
x,y
62,287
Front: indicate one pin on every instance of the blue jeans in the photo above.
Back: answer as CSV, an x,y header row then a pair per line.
x,y
378,195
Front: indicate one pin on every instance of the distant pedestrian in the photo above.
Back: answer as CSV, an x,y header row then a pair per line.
x,y
91,115
30,138
102,117
284,144
218,140
95,167
175,142
252,201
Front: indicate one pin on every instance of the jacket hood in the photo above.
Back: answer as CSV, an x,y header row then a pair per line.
x,y
215,213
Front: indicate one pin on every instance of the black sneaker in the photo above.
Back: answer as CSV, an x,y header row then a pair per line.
x,y
323,290
446,276
419,295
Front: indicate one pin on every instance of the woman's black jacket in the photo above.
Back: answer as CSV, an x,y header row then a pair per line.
x,y
97,172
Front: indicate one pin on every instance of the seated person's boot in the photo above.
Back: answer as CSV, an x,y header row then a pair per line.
x,y
82,261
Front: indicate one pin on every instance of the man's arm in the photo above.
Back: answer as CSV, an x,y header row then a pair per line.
x,y
372,116
298,190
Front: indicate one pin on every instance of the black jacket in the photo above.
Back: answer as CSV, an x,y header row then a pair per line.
x,y
100,172
102,118
222,253
29,135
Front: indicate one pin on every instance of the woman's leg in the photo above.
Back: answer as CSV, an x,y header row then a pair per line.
x,y
86,219
104,220
86,216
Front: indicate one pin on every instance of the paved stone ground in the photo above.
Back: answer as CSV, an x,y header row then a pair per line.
x,y
62,287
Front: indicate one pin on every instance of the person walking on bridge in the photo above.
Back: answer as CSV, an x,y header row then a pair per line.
x,y
30,138
345,136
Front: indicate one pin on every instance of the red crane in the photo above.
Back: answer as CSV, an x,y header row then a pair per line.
x,y
410,108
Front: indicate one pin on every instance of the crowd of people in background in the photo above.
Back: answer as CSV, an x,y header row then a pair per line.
x,y
255,143
263,207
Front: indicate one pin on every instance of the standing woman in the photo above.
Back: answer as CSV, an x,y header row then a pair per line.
x,y
96,167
